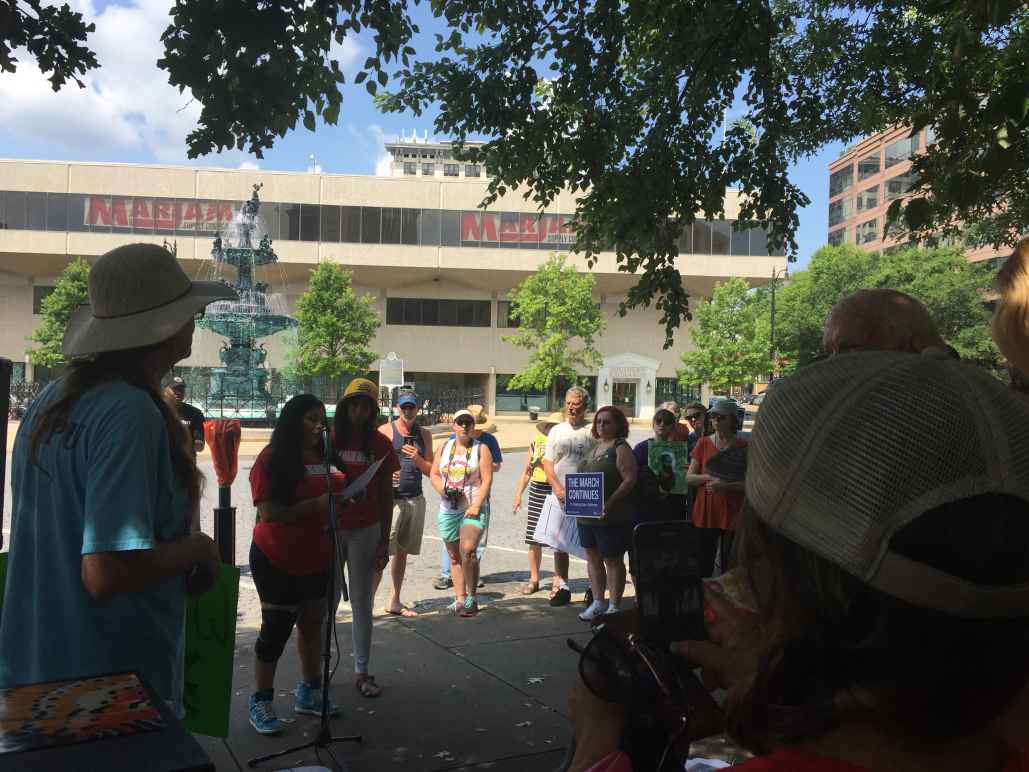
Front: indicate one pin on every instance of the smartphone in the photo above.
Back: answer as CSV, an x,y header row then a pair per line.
x,y
666,560
409,439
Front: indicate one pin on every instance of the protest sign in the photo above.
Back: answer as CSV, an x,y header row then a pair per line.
x,y
668,462
210,646
557,531
584,494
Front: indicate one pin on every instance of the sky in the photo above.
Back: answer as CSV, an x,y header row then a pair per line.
x,y
128,113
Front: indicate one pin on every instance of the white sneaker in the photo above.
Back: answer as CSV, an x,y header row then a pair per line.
x,y
595,609
612,608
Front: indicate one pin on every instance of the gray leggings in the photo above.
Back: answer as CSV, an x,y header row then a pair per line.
x,y
359,546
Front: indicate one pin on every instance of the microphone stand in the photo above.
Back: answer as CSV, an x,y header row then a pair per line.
x,y
324,737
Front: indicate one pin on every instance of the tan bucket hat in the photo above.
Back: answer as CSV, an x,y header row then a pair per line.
x,y
550,422
138,296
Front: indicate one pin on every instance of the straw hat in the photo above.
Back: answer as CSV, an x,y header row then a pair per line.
x,y
550,422
138,296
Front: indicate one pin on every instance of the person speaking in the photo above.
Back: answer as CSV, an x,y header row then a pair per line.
x,y
290,555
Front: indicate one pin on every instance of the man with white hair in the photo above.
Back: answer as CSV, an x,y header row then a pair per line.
x,y
569,444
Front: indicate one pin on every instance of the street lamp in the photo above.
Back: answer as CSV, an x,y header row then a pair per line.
x,y
776,274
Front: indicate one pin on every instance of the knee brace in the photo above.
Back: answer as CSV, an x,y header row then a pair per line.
x,y
276,626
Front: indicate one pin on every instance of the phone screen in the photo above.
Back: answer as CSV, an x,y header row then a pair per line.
x,y
669,590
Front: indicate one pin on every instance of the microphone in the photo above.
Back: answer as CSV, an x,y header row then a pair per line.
x,y
326,446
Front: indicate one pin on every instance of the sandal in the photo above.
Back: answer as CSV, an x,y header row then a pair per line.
x,y
367,686
530,588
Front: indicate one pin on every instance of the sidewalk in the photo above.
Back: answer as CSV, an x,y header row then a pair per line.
x,y
458,694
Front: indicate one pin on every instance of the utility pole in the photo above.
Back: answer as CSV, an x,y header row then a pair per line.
x,y
776,274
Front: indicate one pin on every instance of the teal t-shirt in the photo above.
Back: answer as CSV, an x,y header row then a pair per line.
x,y
104,484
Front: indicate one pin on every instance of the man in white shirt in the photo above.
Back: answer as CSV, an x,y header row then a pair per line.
x,y
569,444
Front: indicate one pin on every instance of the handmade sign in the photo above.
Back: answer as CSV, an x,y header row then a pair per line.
x,y
557,531
584,494
210,645
668,462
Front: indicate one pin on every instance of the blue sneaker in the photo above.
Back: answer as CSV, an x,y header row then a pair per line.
x,y
309,701
262,716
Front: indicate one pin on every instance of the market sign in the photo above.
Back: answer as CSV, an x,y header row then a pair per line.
x,y
512,228
157,213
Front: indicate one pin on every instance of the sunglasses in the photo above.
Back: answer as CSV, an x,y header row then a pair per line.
x,y
718,416
694,416
465,422
408,406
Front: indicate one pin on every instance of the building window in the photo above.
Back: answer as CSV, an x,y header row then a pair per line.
x,y
451,170
428,170
838,236
868,166
840,210
350,225
410,168
38,294
471,170
868,198
670,390
867,232
443,313
841,180
721,231
901,184
427,154
505,319
930,136
901,150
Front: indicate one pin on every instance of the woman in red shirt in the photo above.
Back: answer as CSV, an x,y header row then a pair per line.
x,y
365,524
718,502
289,555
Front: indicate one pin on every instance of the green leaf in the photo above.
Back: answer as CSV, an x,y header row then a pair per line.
x,y
383,78
370,86
359,78
309,123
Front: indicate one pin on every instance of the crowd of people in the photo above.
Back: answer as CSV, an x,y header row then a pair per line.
x,y
882,561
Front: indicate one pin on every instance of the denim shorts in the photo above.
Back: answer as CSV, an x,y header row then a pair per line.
x,y
450,523
612,541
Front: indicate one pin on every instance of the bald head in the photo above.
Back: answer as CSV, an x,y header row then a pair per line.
x,y
879,320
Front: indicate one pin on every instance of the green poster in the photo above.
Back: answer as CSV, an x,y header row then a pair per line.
x,y
210,645
669,460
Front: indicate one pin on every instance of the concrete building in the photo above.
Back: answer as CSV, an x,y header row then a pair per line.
x,y
863,182
438,268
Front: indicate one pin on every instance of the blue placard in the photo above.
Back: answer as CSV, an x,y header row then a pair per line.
x,y
584,494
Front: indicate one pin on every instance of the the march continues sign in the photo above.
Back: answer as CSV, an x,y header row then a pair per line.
x,y
584,494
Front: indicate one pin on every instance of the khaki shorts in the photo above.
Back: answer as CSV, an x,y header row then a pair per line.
x,y
408,524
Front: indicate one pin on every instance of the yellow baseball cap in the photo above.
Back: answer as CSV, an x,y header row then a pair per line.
x,y
361,387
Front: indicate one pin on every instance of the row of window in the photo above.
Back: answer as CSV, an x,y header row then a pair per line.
x,y
449,170
868,199
891,155
864,233
335,224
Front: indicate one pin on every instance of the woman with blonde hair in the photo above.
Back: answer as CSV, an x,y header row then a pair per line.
x,y
1011,317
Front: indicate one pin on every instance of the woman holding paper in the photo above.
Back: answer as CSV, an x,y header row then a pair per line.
x,y
290,554
607,539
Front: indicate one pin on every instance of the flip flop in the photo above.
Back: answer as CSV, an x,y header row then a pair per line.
x,y
404,612
367,687
530,588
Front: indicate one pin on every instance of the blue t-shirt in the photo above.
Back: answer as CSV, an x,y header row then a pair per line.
x,y
104,484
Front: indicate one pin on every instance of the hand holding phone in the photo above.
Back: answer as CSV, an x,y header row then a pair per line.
x,y
667,559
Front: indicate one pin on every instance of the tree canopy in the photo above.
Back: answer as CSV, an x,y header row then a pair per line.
x,y
731,336
70,291
954,291
557,320
334,327
636,97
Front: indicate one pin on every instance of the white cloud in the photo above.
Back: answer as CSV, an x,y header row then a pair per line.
x,y
249,165
127,105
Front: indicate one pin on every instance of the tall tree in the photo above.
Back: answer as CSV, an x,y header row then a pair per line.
x,y
637,96
558,320
335,326
731,339
952,289
71,291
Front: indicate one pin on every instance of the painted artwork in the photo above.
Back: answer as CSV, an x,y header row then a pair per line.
x,y
71,712
668,461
